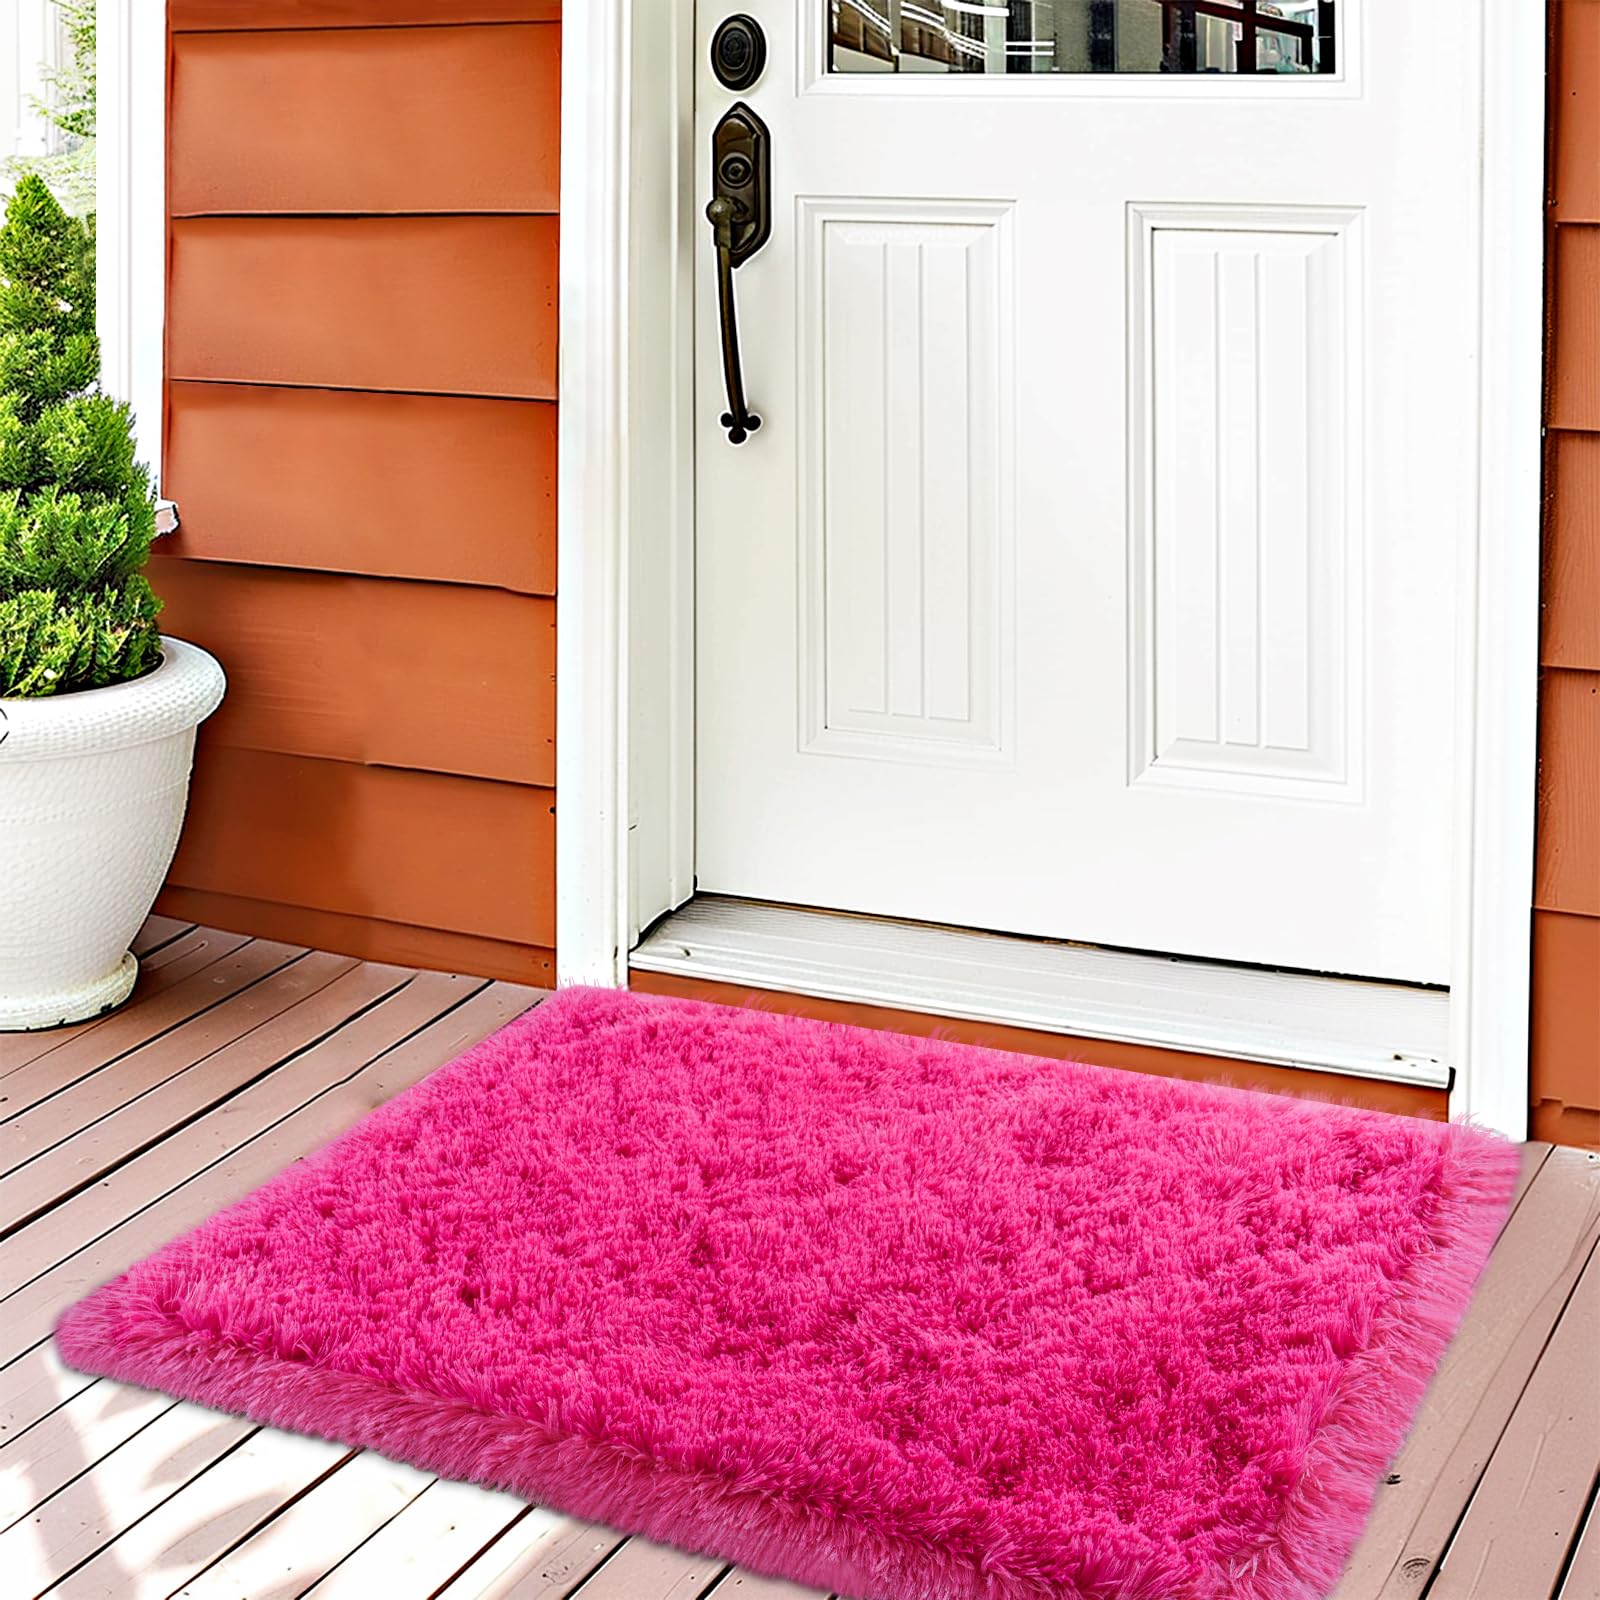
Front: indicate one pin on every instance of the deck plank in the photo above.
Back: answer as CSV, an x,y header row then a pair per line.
x,y
1480,1380
94,1422
113,1494
31,1389
541,1557
100,1040
167,1033
287,1012
433,1539
209,1515
26,1316
1529,1507
156,932
318,1526
1582,1579
642,1568
282,978
80,1219
741,1585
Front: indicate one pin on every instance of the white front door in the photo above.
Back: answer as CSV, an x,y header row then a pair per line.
x,y
1092,574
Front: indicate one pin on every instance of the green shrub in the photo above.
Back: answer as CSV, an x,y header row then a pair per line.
x,y
76,512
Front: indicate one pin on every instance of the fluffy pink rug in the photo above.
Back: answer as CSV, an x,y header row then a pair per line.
x,y
892,1316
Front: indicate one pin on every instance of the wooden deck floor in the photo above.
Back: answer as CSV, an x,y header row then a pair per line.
x,y
238,1055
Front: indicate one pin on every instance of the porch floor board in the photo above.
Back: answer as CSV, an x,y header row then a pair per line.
x,y
237,1056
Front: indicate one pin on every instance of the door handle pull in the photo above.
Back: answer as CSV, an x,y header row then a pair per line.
x,y
741,222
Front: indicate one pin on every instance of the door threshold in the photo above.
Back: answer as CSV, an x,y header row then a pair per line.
x,y
1358,1027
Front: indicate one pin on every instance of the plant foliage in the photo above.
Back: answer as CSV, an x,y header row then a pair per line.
x,y
76,512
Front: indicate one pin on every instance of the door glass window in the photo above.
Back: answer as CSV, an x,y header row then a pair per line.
x,y
1127,36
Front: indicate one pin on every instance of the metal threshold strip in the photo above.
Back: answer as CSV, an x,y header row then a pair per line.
x,y
1354,1026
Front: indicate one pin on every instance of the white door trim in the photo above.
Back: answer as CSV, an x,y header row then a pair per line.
x,y
614,240
1499,626
131,210
591,569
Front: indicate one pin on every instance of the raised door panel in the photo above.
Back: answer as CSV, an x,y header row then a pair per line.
x,y
366,120
432,676
411,486
452,305
906,534
1246,668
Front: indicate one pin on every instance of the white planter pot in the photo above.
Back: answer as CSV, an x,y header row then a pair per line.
x,y
92,793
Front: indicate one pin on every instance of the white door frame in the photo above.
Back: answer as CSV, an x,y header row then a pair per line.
x,y
624,683
131,210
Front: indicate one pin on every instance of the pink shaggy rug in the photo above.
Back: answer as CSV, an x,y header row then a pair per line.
x,y
891,1316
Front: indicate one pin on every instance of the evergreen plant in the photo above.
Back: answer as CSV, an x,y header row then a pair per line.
x,y
76,510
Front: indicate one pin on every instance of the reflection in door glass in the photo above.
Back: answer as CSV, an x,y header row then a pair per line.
x,y
942,36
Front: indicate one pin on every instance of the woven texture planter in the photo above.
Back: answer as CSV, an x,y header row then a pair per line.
x,y
92,794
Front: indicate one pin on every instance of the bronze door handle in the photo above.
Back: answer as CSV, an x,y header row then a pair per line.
x,y
741,222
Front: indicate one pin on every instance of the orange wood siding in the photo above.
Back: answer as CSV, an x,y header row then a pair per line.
x,y
1571,624
434,676
188,16
441,305
445,125
344,481
459,854
1399,1098
360,433
1566,919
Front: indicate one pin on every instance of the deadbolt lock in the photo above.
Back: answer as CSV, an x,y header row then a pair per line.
x,y
738,52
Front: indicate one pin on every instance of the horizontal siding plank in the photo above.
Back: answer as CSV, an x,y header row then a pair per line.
x,y
461,854
1575,112
415,120
1574,398
1571,632
345,481
433,676
1567,868
1403,1099
1566,1009
191,15
1563,1124
451,305
435,949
